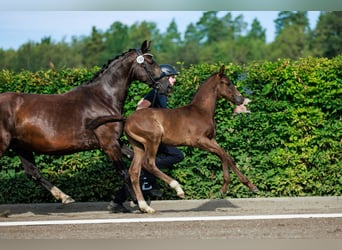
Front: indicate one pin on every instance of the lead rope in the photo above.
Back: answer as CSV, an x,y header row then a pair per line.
x,y
156,90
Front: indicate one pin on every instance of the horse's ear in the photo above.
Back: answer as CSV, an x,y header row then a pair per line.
x,y
145,47
222,70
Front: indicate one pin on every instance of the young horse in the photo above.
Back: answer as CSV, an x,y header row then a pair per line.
x,y
56,124
190,125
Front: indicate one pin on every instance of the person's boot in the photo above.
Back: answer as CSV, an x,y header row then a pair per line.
x,y
117,207
149,185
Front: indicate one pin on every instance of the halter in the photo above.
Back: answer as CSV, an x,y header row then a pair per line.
x,y
141,61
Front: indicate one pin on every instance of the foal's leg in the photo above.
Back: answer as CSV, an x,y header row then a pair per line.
x,y
150,165
227,161
134,172
108,137
31,170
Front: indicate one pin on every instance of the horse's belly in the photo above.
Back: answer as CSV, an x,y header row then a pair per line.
x,y
56,143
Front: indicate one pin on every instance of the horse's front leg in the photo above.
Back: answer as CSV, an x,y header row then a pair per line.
x,y
31,170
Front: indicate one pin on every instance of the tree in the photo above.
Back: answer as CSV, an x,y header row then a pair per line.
x,y
257,32
239,27
189,52
115,40
169,44
293,33
142,31
94,46
291,18
8,59
327,36
210,27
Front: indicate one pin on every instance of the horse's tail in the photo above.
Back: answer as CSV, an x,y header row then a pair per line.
x,y
103,120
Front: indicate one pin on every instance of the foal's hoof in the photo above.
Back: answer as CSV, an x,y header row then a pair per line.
x,y
148,210
145,208
222,194
181,194
68,200
255,190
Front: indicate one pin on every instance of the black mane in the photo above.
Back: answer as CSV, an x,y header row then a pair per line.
x,y
105,67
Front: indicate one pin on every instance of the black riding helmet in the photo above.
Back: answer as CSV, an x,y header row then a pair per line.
x,y
168,69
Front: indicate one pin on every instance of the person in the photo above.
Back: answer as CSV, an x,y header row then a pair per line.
x,y
242,107
166,156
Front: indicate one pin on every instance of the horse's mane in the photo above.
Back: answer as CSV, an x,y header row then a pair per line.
x,y
105,66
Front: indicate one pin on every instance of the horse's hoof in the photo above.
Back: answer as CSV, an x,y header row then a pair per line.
x,y
68,200
144,208
147,210
222,194
5,213
175,185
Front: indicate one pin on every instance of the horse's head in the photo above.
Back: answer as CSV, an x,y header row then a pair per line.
x,y
148,70
226,89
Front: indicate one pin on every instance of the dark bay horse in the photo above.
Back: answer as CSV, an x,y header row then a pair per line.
x,y
56,124
191,125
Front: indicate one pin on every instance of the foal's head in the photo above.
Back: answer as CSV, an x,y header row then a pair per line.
x,y
226,89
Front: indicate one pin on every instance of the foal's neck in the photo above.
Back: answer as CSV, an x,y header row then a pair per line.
x,y
206,97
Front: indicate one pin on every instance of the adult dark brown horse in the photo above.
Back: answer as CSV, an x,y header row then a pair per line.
x,y
191,125
56,124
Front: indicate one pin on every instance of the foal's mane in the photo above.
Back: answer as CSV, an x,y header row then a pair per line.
x,y
202,84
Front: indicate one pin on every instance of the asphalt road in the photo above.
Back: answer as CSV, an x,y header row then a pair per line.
x,y
254,218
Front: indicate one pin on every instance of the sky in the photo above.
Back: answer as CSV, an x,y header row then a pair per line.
x,y
19,27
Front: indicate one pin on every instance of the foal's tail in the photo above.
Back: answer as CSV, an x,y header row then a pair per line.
x,y
103,120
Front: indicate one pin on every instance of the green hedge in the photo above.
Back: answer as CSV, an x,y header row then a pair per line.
x,y
290,145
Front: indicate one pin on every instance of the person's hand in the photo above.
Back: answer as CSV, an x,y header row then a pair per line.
x,y
143,103
242,107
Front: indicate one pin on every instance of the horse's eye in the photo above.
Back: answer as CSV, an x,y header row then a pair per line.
x,y
149,59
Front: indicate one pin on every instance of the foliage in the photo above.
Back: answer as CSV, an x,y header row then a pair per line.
x,y
213,38
289,145
327,37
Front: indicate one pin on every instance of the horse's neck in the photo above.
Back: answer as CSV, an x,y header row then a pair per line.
x,y
113,82
205,98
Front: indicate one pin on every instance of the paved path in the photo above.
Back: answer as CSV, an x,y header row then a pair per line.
x,y
307,217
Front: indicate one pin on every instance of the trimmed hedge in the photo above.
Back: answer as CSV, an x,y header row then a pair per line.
x,y
290,145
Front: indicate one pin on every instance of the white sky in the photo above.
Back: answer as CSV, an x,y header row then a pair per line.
x,y
19,27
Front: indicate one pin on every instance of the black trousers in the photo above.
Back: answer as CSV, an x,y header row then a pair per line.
x,y
167,156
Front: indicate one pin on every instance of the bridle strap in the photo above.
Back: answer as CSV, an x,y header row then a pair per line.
x,y
140,60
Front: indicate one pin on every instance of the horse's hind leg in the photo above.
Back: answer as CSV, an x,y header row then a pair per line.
x,y
134,172
31,170
4,143
150,165
113,150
